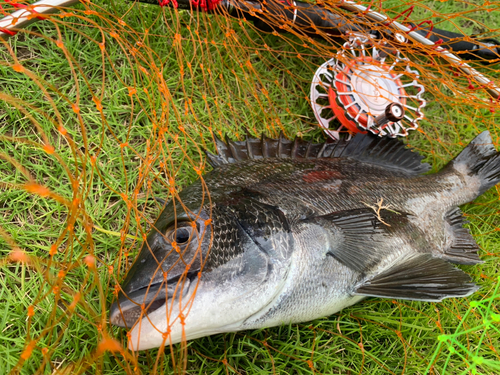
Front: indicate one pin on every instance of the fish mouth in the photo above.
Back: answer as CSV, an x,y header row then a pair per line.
x,y
131,307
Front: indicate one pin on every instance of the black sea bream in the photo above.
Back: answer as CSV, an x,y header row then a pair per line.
x,y
292,231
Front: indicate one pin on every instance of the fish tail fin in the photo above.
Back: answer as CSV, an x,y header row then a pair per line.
x,y
480,159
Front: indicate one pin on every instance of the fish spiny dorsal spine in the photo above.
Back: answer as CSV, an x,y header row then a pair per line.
x,y
386,152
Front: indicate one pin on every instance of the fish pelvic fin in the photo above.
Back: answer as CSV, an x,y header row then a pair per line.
x,y
421,278
460,246
385,152
479,159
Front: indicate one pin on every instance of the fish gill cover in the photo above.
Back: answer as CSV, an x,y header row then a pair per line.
x,y
108,105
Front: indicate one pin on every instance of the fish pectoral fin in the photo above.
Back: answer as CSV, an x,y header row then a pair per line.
x,y
420,278
461,247
357,236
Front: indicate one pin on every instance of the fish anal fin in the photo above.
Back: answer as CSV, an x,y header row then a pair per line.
x,y
421,278
460,246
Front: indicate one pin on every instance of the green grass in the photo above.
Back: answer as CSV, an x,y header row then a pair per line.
x,y
140,141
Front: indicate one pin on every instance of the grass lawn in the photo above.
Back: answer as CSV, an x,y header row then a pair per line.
x,y
111,104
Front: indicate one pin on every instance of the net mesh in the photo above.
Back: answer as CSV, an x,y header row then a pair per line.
x,y
107,105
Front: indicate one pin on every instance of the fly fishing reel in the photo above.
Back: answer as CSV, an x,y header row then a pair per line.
x,y
357,86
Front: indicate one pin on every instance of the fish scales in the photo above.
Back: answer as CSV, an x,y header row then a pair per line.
x,y
303,182
294,231
288,190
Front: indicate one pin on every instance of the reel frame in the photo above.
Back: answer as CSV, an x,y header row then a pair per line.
x,y
357,86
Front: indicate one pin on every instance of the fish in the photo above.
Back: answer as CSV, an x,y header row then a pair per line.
x,y
286,231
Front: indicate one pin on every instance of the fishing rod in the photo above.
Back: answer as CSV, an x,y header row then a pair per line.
x,y
354,88
310,18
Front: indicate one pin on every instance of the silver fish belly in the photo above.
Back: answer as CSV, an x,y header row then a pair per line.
x,y
296,231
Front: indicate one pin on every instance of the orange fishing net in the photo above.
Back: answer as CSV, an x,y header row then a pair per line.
x,y
109,104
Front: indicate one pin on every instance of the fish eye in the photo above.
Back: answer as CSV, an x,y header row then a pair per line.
x,y
180,234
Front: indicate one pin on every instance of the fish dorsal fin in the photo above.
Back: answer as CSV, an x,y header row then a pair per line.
x,y
420,277
460,246
385,152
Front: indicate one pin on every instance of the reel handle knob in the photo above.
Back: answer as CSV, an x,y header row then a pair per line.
x,y
394,112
